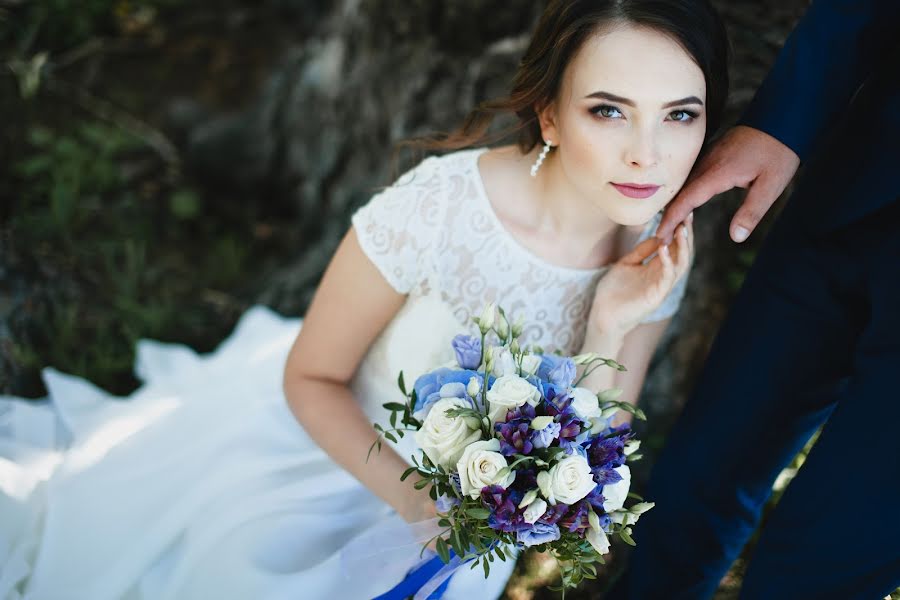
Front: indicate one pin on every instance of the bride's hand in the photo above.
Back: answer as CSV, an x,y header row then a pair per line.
x,y
420,506
630,290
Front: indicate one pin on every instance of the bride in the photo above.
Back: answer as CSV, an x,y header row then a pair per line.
x,y
243,474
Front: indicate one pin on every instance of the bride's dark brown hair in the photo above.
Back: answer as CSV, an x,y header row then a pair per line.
x,y
562,29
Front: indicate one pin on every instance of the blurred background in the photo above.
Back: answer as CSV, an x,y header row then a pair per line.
x,y
167,164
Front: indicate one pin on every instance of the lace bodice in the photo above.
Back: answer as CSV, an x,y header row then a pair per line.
x,y
434,232
434,236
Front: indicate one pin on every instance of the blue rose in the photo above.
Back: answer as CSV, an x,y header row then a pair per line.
x,y
440,383
539,533
558,370
468,351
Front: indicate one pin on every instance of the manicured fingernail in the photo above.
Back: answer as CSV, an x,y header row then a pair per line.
x,y
684,233
740,234
664,249
690,217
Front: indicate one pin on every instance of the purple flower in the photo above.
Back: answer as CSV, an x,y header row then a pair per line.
x,y
576,520
468,351
558,370
544,437
503,504
605,454
539,533
444,503
554,513
605,475
608,452
515,432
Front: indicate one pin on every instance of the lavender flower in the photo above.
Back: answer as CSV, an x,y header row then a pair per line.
x,y
503,504
605,455
539,533
515,432
468,351
576,519
444,503
554,513
544,437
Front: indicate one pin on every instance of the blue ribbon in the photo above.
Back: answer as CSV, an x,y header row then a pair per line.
x,y
415,579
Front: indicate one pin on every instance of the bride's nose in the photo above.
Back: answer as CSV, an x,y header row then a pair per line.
x,y
641,149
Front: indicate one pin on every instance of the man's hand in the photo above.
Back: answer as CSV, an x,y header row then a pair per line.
x,y
745,158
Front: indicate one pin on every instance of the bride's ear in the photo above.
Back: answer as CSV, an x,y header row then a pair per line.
x,y
547,119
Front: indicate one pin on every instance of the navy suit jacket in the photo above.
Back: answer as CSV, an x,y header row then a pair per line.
x,y
833,96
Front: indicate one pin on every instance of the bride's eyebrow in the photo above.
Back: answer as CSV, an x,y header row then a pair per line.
x,y
627,102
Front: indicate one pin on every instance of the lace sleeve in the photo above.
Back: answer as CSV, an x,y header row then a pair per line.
x,y
396,228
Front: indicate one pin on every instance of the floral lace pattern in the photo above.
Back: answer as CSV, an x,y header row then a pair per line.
x,y
435,232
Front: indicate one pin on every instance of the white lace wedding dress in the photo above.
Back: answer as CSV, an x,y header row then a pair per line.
x,y
202,485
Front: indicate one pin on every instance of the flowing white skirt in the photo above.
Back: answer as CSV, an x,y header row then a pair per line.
x,y
201,484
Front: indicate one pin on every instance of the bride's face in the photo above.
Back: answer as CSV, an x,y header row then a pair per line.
x,y
631,110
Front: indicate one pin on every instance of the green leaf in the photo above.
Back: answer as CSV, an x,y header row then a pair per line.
x,y
626,538
478,513
394,406
457,543
442,550
407,473
184,205
421,484
486,566
401,383
390,436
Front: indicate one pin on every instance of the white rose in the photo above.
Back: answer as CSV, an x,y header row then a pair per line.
x,y
598,540
481,464
567,481
502,362
585,403
530,364
510,391
615,494
534,511
444,438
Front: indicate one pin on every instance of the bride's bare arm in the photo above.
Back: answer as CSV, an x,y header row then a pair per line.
x,y
352,305
634,351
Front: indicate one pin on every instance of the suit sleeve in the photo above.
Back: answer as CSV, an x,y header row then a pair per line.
x,y
830,53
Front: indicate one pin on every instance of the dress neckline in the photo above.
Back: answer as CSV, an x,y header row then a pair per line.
x,y
527,252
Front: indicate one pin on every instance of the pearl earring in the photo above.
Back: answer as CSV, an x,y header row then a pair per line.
x,y
540,159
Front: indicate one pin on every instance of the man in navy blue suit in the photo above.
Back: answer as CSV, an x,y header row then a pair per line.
x,y
813,336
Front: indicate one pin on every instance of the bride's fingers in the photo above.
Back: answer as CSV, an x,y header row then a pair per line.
x,y
641,252
683,256
667,276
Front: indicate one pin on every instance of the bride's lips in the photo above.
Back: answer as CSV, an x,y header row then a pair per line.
x,y
636,190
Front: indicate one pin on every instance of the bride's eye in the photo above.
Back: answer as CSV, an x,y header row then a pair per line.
x,y
682,116
607,111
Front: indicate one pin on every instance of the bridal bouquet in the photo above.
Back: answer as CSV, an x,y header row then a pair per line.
x,y
516,453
